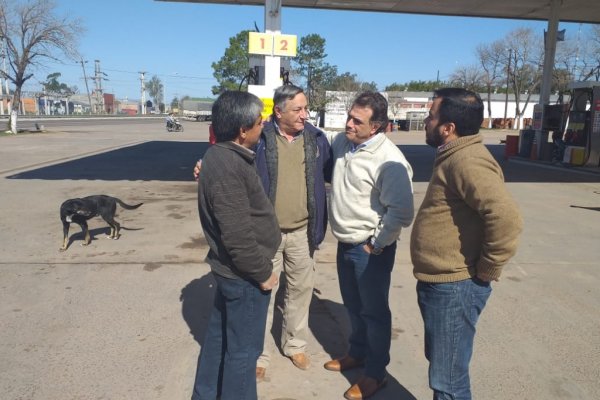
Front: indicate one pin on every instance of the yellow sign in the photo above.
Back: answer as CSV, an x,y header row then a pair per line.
x,y
260,43
268,109
285,45
272,45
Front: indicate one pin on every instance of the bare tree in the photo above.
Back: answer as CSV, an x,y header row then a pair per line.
x,y
525,72
490,58
468,77
33,33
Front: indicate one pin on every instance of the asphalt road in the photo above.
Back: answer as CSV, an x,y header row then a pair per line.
x,y
124,319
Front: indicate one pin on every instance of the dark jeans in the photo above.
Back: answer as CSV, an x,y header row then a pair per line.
x,y
365,285
450,312
234,340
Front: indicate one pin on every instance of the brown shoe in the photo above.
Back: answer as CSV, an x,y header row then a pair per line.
x,y
260,374
343,364
300,360
364,388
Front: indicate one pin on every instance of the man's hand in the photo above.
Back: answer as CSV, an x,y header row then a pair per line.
x,y
270,283
197,168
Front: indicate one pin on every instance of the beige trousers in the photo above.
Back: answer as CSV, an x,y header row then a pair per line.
x,y
294,260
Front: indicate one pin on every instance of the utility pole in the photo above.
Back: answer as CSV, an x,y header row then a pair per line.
x,y
99,93
143,92
87,89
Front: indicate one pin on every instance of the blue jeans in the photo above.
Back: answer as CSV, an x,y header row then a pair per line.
x,y
233,342
450,312
365,285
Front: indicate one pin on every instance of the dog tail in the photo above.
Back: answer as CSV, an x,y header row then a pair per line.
x,y
127,206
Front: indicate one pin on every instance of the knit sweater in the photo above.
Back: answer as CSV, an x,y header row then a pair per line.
x,y
371,191
237,217
468,223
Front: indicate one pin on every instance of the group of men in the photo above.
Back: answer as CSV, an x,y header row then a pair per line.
x,y
264,211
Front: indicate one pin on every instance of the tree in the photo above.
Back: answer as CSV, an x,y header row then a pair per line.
x,y
350,83
490,59
233,67
415,86
468,77
526,60
155,89
52,87
312,69
33,33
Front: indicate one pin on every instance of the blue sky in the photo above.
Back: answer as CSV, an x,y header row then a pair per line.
x,y
179,41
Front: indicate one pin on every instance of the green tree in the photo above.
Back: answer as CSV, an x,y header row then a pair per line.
x,y
233,67
350,83
53,87
314,72
415,86
33,33
155,89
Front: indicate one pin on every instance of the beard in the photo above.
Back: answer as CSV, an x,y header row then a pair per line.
x,y
433,138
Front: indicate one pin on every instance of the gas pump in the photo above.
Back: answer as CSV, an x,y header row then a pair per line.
x,y
582,127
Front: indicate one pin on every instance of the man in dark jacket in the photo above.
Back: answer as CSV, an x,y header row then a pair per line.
x,y
242,232
292,157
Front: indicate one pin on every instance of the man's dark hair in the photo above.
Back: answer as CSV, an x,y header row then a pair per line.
x,y
378,104
234,110
283,94
462,107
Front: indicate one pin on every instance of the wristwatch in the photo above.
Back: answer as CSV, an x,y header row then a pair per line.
x,y
375,250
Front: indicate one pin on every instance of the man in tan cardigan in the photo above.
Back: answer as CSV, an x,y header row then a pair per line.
x,y
466,230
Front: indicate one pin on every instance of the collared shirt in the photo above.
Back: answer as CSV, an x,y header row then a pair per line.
x,y
296,136
443,147
355,147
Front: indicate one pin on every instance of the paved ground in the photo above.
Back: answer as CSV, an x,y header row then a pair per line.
x,y
124,319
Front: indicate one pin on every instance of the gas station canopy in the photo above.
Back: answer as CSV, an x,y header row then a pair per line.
x,y
587,11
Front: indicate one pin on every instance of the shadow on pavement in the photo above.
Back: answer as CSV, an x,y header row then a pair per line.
x,y
156,160
174,161
196,303
421,159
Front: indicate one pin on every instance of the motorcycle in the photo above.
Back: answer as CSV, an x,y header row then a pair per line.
x,y
174,126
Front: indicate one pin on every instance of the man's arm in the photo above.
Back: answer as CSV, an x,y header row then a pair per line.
x,y
396,196
484,190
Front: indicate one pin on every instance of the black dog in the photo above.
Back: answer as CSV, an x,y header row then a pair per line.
x,y
80,210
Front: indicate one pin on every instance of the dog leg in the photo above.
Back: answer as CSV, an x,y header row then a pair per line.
x,y
114,227
117,235
86,234
65,236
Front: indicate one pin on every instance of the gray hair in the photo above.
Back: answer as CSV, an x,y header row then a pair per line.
x,y
234,110
284,93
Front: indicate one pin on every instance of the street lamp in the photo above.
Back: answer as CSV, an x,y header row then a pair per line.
x,y
507,82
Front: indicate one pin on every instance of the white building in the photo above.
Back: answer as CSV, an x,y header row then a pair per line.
x,y
414,106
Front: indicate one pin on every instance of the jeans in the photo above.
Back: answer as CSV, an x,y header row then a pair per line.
x,y
450,312
365,285
233,342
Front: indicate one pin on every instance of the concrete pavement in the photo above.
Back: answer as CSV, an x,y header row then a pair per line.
x,y
123,319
